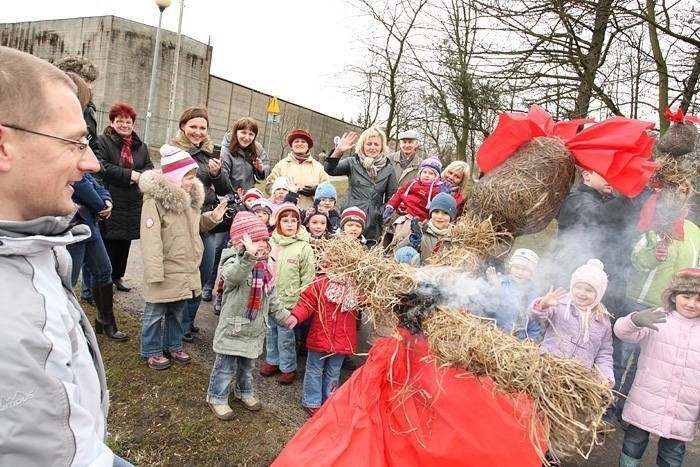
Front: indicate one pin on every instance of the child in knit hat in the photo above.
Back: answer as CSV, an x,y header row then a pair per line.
x,y
435,234
279,190
664,397
352,223
250,196
412,200
513,292
248,299
263,209
293,266
172,251
578,322
325,200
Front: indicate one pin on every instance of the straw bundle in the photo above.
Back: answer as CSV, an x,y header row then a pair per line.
x,y
675,172
569,399
523,194
472,239
679,139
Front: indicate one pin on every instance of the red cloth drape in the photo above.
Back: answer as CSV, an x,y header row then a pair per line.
x,y
400,409
618,148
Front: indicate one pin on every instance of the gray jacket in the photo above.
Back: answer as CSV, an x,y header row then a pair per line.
x,y
239,172
363,192
53,393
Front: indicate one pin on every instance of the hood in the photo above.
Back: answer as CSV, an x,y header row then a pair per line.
x,y
30,237
173,198
301,236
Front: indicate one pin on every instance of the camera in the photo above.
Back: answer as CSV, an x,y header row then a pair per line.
x,y
235,205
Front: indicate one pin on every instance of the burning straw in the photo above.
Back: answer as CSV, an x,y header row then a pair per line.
x,y
569,399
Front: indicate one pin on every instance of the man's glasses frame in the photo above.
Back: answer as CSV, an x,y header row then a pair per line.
x,y
82,145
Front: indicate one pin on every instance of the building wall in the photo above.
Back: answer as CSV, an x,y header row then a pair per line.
x,y
123,52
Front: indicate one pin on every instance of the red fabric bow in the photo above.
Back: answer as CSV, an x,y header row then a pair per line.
x,y
678,117
618,149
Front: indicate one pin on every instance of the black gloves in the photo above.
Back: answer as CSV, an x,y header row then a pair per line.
x,y
308,190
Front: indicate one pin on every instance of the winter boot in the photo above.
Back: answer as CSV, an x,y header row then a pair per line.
x,y
105,322
627,461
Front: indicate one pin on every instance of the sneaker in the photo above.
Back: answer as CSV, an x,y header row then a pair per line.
x,y
158,363
311,410
194,329
188,337
217,308
287,378
251,403
269,370
181,357
206,295
222,411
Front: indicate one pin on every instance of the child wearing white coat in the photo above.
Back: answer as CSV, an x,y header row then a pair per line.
x,y
665,396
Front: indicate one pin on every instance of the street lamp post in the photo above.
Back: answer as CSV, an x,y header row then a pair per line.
x,y
176,69
162,5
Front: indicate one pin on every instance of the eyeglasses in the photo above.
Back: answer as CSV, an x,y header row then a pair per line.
x,y
81,145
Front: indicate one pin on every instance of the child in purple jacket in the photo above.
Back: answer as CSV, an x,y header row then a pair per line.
x,y
665,396
578,324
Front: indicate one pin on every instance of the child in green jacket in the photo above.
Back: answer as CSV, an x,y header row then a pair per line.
x,y
248,299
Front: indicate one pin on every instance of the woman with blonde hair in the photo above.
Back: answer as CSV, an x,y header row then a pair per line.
x,y
457,174
371,176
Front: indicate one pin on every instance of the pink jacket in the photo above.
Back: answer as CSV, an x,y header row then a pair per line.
x,y
665,395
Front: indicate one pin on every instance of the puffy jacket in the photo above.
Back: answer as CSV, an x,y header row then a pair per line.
x,y
664,396
332,329
309,172
53,393
425,241
649,277
363,192
123,224
564,336
235,334
292,261
415,197
170,241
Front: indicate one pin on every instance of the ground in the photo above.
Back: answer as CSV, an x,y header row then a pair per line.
x,y
161,417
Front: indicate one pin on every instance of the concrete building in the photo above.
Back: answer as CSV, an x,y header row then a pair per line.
x,y
123,51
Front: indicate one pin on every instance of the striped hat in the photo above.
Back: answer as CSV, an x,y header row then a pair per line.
x,y
261,204
175,163
252,195
353,214
246,222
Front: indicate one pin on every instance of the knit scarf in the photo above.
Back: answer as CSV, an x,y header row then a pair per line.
x,y
262,279
373,164
341,292
126,159
437,232
300,159
404,161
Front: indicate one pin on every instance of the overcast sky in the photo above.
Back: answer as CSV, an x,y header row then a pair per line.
x,y
296,50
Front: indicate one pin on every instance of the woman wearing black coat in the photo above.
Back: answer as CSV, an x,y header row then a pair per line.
x,y
124,157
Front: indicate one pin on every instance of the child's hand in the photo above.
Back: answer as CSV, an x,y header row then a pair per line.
x,y
249,244
290,322
220,210
492,275
661,251
552,297
648,318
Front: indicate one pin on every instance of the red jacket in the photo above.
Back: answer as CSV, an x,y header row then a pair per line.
x,y
414,197
332,330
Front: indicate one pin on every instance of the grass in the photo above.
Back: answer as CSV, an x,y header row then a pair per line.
x,y
161,417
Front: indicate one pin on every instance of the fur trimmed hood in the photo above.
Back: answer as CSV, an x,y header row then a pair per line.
x,y
172,197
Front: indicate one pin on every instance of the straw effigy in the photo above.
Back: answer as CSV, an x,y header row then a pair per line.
x,y
569,399
679,139
523,194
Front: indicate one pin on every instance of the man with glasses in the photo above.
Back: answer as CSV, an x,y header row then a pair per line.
x,y
53,394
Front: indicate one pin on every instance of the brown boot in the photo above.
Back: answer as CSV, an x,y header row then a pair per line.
x,y
105,322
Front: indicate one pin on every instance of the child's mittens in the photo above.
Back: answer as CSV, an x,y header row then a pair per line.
x,y
290,322
648,318
387,212
445,187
